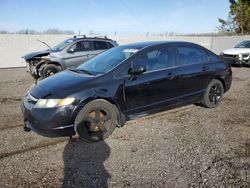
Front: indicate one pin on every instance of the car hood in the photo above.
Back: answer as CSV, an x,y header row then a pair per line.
x,y
36,54
236,51
61,85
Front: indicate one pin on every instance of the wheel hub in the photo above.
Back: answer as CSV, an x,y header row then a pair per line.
x,y
215,94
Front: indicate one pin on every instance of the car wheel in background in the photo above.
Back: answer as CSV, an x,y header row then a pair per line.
x,y
248,63
50,70
96,121
214,94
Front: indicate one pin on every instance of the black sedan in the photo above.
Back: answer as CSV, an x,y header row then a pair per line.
x,y
125,83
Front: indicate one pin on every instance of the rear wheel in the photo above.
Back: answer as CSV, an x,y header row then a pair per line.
x,y
96,121
214,94
50,70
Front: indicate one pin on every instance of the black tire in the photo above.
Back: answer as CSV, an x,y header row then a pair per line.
x,y
214,94
96,121
50,70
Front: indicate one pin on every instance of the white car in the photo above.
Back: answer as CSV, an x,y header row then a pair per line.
x,y
238,55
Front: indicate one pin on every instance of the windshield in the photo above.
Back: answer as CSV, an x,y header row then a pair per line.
x,y
61,45
107,60
244,44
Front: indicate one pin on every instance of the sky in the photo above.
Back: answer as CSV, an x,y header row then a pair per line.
x,y
110,16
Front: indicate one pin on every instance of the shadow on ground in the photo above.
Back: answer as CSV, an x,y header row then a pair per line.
x,y
83,164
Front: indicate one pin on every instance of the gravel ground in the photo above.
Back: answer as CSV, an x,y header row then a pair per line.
x,y
190,146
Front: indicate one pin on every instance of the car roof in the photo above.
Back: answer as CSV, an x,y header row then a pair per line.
x,y
83,37
140,45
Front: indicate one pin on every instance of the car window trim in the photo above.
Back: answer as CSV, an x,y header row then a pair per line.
x,y
158,70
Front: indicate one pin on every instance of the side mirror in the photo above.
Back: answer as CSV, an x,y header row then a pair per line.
x,y
71,50
137,69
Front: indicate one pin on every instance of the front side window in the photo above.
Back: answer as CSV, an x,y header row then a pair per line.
x,y
157,59
191,55
100,45
81,46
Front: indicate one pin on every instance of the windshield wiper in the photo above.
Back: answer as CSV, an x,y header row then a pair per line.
x,y
81,71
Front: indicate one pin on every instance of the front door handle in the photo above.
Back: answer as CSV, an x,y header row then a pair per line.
x,y
170,76
205,68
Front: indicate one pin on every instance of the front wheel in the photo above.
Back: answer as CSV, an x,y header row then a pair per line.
x,y
50,70
214,94
96,121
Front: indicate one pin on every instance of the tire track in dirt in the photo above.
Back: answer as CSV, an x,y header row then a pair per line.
x,y
41,145
11,127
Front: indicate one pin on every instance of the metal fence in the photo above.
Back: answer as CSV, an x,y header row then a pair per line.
x,y
14,46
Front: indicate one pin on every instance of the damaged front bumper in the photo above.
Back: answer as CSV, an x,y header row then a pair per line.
x,y
35,61
240,59
35,66
244,59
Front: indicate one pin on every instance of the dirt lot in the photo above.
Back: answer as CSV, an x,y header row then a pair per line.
x,y
185,147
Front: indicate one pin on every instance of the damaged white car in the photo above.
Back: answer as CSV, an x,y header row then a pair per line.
x,y
239,55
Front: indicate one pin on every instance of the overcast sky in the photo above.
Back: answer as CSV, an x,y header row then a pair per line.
x,y
109,16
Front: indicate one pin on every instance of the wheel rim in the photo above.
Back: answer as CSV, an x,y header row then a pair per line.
x,y
50,72
95,125
215,94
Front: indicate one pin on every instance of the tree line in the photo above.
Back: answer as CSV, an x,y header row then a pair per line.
x,y
54,31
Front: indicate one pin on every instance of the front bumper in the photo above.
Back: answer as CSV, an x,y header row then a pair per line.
x,y
50,122
31,69
235,60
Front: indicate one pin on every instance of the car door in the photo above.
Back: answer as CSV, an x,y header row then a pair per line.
x,y
194,71
156,86
78,53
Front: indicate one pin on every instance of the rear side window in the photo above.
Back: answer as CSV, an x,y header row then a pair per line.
x,y
100,45
191,55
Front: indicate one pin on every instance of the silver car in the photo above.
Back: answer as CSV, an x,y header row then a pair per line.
x,y
67,54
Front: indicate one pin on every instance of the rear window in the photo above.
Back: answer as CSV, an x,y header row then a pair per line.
x,y
100,45
191,55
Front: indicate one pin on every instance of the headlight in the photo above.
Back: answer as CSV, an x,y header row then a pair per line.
x,y
50,103
245,56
